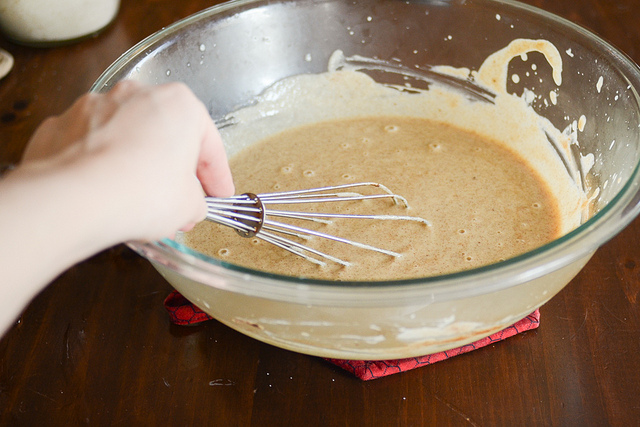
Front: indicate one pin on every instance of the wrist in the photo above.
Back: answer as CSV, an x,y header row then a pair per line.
x,y
50,212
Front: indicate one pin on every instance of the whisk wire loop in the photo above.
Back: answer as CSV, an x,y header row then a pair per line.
x,y
249,216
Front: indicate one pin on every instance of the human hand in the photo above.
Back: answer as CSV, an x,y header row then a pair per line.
x,y
114,167
140,149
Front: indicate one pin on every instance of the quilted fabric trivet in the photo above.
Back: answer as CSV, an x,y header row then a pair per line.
x,y
183,312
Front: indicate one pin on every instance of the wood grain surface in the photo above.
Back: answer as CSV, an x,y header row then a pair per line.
x,y
96,347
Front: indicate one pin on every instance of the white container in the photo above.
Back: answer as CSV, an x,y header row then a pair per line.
x,y
45,22
6,64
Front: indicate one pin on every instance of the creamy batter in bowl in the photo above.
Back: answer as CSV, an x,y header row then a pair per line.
x,y
232,53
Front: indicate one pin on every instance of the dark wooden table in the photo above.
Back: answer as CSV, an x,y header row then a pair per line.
x,y
96,347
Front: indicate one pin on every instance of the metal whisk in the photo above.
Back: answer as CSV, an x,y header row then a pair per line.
x,y
250,216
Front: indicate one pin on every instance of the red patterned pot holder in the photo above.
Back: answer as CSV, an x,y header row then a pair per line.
x,y
183,312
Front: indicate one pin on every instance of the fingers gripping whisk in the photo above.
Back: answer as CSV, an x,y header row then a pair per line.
x,y
251,215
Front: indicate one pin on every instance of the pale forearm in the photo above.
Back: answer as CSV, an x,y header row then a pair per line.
x,y
49,220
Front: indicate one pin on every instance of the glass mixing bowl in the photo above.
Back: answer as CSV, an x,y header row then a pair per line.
x,y
230,53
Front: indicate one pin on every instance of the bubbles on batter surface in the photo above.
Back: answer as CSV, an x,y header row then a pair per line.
x,y
224,252
287,169
466,256
309,173
391,128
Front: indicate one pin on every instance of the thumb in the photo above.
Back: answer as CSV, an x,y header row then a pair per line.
x,y
213,168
